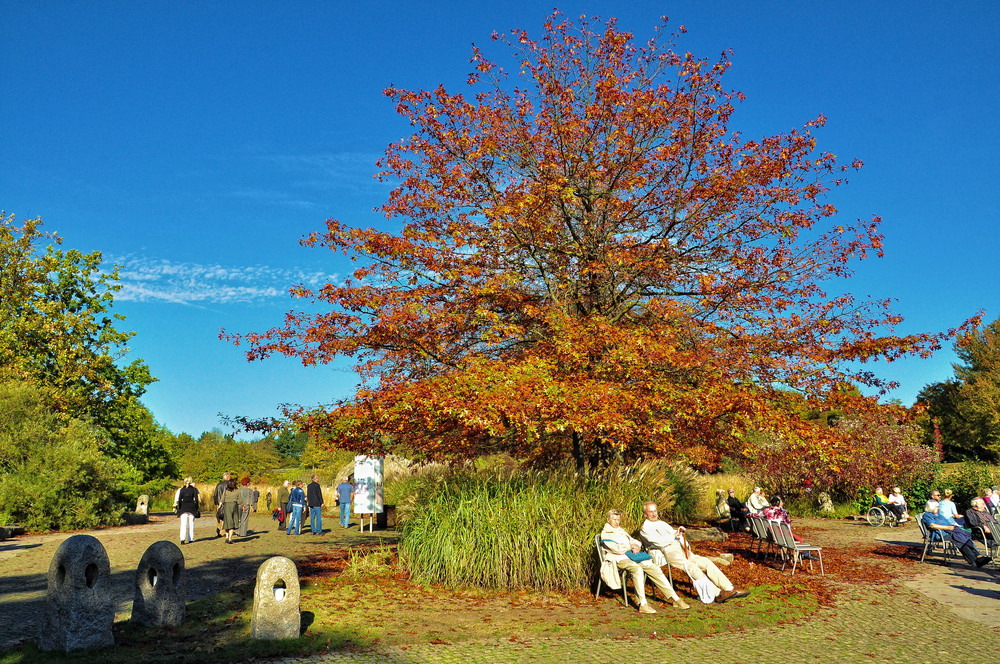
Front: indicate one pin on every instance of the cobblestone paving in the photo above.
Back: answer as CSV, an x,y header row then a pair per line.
x,y
946,613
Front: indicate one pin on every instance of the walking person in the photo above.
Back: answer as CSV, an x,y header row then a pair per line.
x,y
314,496
283,493
246,504
345,492
187,508
220,490
256,498
268,500
230,509
296,503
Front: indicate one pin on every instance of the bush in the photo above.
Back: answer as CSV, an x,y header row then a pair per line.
x,y
849,462
501,528
967,481
53,475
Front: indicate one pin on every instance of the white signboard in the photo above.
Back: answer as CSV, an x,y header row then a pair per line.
x,y
367,485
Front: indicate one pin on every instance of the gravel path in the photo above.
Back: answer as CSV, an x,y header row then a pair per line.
x,y
211,565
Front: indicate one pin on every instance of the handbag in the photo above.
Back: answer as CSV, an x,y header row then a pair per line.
x,y
218,514
640,557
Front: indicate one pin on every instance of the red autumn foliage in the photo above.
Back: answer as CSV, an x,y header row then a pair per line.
x,y
591,263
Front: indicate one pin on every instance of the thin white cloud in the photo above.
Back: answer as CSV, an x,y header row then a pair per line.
x,y
150,280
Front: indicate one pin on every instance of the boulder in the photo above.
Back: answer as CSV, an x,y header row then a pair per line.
x,y
711,534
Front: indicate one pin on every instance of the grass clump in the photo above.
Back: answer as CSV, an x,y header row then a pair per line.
x,y
508,528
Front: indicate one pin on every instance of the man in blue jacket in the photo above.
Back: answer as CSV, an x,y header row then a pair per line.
x,y
940,526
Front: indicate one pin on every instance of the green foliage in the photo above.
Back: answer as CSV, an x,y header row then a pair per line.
x,y
53,474
57,331
214,453
968,481
501,528
967,408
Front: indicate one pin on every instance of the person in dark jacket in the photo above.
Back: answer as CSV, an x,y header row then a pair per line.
x,y
187,509
738,510
314,495
979,517
220,491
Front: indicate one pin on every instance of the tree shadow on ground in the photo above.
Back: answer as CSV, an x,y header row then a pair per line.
x,y
215,629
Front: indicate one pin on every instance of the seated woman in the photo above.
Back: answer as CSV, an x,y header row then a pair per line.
x,y
882,500
896,498
948,509
738,510
776,512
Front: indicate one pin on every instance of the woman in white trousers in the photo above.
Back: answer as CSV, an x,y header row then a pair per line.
x,y
187,508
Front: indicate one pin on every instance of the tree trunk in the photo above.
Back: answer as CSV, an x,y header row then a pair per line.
x,y
579,453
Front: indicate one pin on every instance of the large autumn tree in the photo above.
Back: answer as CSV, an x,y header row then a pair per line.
x,y
588,261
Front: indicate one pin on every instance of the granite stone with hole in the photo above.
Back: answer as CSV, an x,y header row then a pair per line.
x,y
276,612
79,610
160,586
142,505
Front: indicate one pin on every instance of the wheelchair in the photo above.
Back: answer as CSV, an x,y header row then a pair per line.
x,y
881,515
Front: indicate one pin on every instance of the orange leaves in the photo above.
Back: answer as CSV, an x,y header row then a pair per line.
x,y
590,257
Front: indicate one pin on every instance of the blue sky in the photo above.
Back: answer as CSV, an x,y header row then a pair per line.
x,y
195,143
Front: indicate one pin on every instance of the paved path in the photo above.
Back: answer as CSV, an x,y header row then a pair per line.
x,y
943,613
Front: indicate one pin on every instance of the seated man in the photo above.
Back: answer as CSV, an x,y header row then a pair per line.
x,y
664,540
962,539
738,510
618,545
980,517
756,500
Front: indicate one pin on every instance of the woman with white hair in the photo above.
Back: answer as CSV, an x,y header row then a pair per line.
x,y
187,508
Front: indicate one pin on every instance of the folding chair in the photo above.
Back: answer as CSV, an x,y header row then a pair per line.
x,y
761,535
992,546
726,517
623,573
787,541
933,539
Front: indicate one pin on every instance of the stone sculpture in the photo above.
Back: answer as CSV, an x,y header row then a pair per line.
x,y
276,612
79,610
160,586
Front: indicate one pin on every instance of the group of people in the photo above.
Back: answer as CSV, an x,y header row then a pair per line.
x,y
234,501
772,509
894,502
664,545
941,515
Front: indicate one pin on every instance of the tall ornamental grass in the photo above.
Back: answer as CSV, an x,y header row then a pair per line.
x,y
500,528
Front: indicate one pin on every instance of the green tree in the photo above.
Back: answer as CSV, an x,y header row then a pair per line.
x,y
942,409
57,330
291,443
967,407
